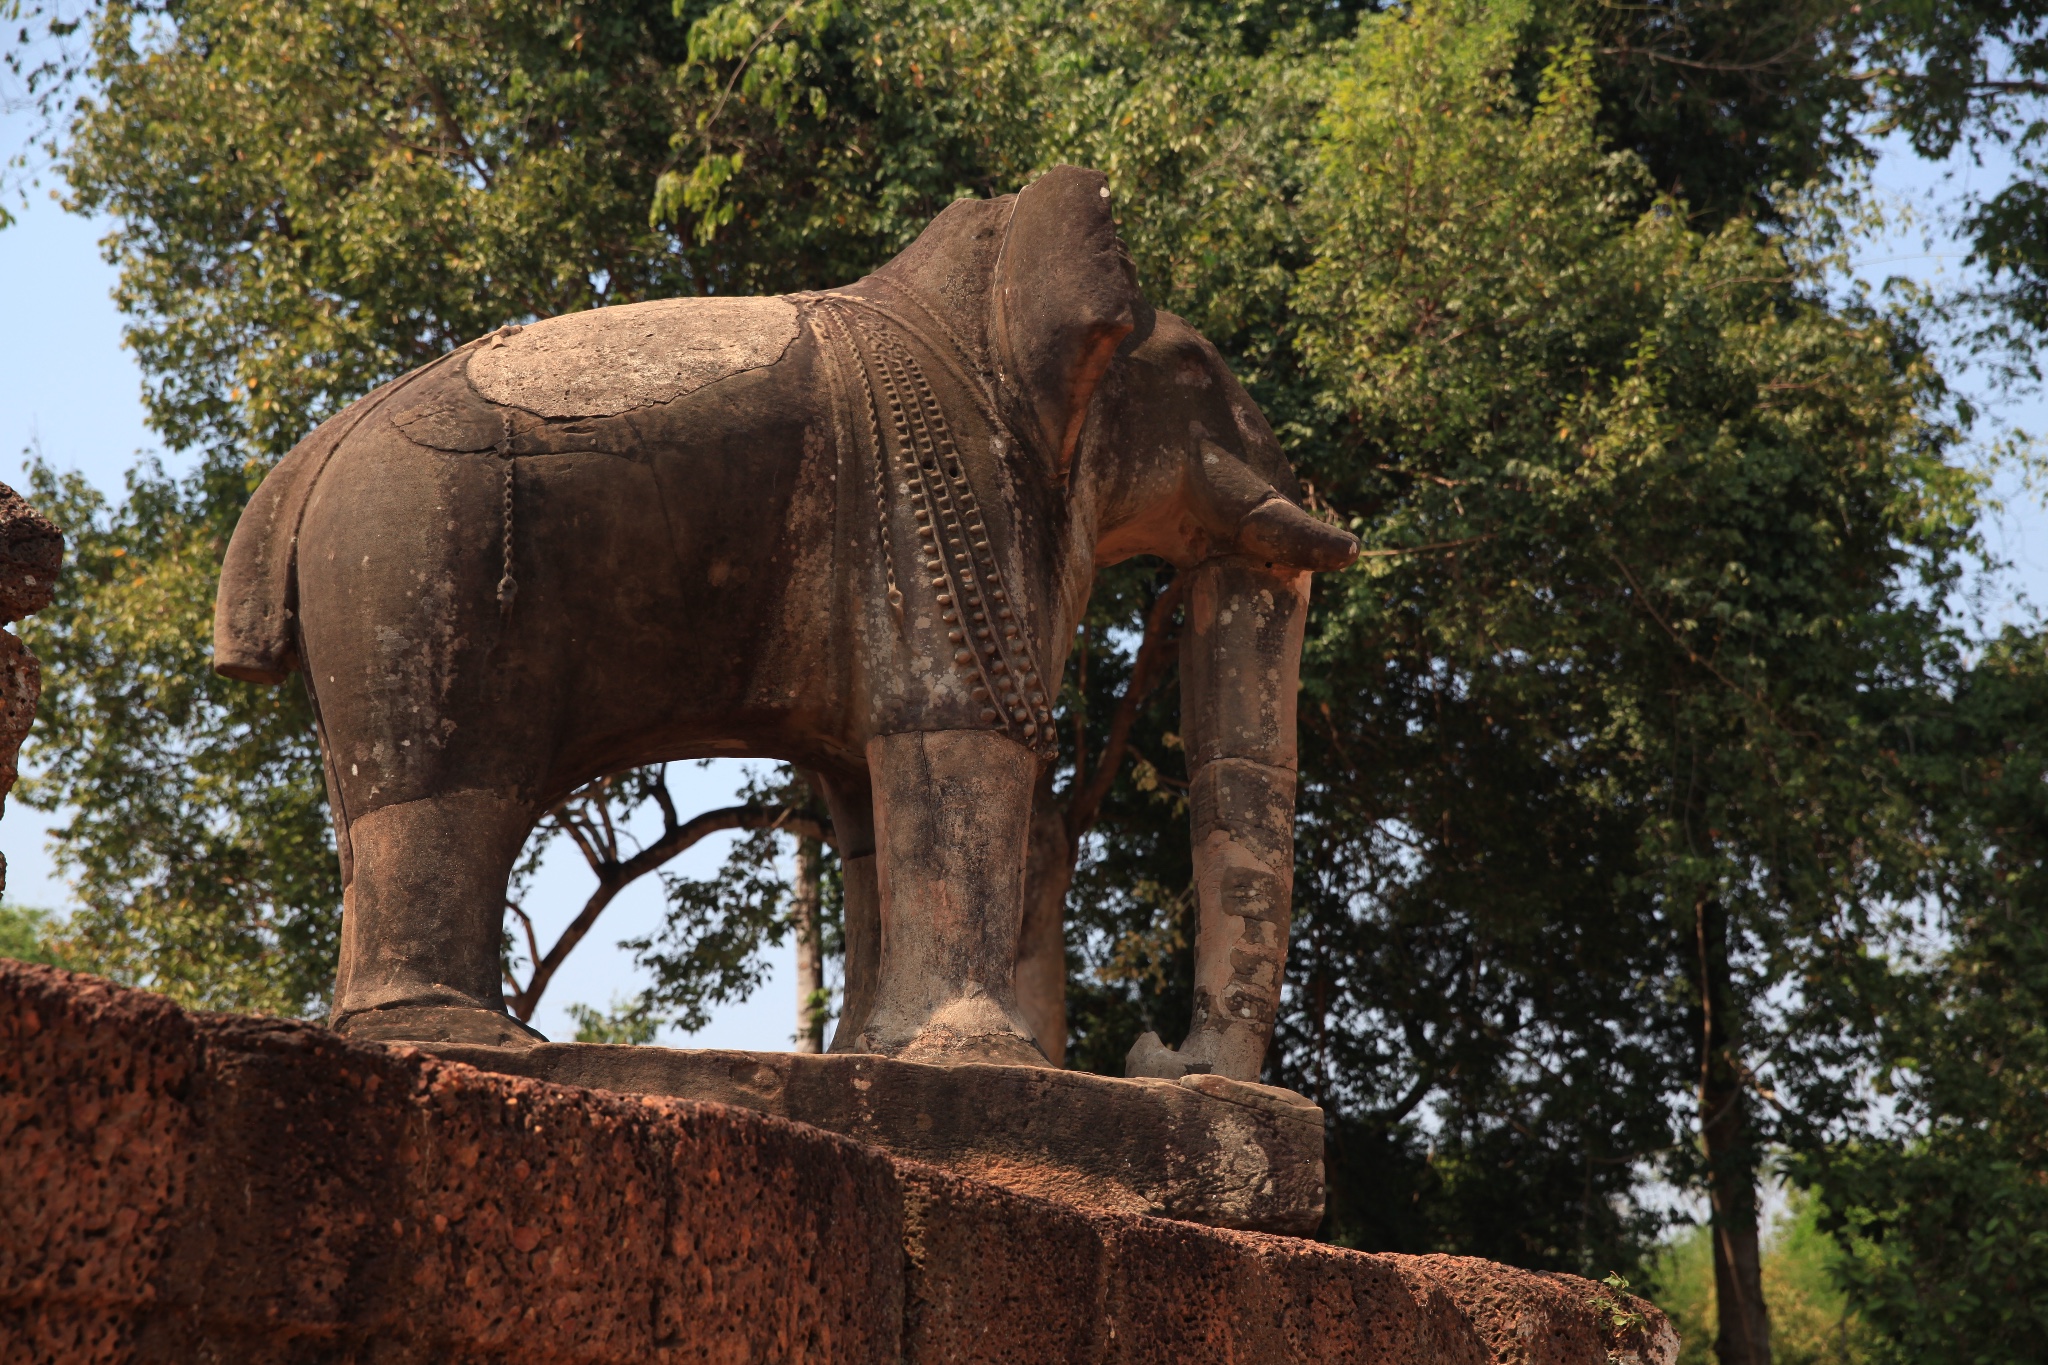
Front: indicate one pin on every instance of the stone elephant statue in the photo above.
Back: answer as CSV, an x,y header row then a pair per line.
x,y
854,530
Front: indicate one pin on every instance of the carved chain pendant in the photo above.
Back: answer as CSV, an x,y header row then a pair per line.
x,y
991,641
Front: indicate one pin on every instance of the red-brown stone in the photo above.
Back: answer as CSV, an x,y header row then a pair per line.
x,y
190,1187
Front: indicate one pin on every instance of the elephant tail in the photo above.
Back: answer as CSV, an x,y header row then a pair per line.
x,y
255,635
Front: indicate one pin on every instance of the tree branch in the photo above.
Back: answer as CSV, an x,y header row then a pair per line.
x,y
617,876
2012,87
442,107
670,822
1086,798
532,953
1773,62
1406,1104
1690,653
732,83
568,825
604,813
1426,549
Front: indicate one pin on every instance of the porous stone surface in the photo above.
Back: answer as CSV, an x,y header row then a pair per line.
x,y
21,687
613,360
31,552
1202,1148
188,1187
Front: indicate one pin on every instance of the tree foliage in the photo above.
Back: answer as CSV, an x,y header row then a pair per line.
x,y
1943,1206
1811,1322
1656,539
1970,75
196,837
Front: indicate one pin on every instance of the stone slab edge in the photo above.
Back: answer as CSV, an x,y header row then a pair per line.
x,y
1204,1149
191,1187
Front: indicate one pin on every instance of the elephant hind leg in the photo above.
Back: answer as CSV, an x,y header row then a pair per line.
x,y
423,920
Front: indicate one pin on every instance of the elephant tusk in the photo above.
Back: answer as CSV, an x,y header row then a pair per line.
x,y
1282,534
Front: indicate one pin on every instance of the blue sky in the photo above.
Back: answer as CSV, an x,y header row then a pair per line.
x,y
1921,197
69,391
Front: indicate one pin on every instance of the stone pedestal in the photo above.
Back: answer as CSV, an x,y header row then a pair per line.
x,y
1202,1148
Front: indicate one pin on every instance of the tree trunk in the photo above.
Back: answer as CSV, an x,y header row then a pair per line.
x,y
1732,1158
811,998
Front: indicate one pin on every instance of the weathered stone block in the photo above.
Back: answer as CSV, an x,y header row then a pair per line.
x,y
254,1190
1204,1148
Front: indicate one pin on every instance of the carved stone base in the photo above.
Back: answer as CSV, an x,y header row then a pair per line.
x,y
1200,1148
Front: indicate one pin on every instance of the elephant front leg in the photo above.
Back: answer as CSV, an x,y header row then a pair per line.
x,y
853,822
952,817
1240,667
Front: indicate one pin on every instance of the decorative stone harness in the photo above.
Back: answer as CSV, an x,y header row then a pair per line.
x,y
991,645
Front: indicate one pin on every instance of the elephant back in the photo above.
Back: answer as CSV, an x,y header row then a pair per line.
x,y
610,361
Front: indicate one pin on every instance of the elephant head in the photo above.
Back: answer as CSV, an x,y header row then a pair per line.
x,y
1218,499
1155,448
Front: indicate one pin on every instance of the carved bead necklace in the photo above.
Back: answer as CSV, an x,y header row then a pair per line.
x,y
991,650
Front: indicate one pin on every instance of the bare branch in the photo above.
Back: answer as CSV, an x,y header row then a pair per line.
x,y
1426,549
518,992
604,813
669,821
617,876
2012,87
1086,799
572,827
1772,63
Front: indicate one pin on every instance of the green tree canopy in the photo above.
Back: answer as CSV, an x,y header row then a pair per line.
x,y
1656,542
1943,1204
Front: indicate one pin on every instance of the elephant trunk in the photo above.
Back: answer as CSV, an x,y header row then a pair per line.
x,y
1240,665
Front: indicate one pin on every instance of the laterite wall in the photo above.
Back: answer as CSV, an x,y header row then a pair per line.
x,y
194,1188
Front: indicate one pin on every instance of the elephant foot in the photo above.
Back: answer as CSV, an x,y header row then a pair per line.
x,y
1151,1057
971,1030
472,1024
942,1047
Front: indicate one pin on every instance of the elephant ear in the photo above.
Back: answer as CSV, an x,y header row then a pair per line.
x,y
1065,295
